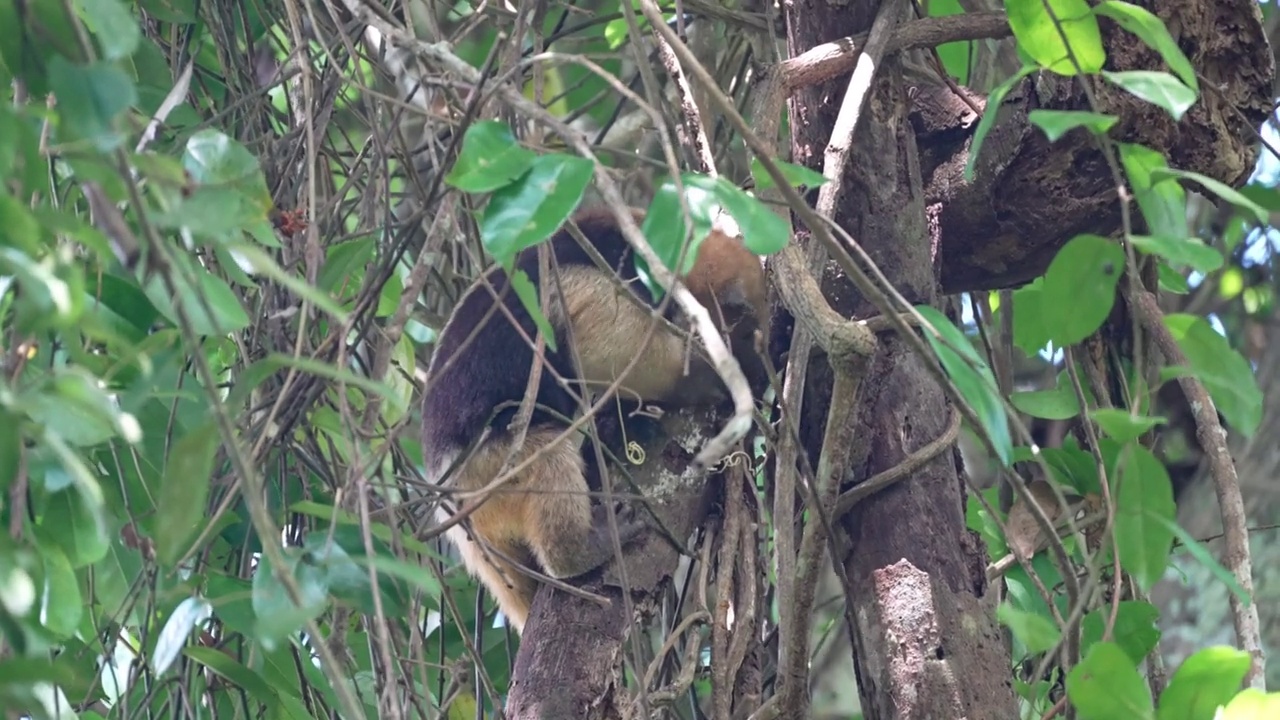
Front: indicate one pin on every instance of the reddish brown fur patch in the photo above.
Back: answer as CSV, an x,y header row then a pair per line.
x,y
728,275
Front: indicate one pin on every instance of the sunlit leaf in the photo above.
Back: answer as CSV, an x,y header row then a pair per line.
x,y
1252,704
1121,426
1158,88
1056,123
527,211
1142,492
1225,373
1150,28
61,605
1042,25
1180,252
1204,682
1135,629
1106,686
113,25
1080,287
1037,633
490,158
795,175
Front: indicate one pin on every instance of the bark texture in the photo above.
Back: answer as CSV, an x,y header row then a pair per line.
x,y
1029,197
926,644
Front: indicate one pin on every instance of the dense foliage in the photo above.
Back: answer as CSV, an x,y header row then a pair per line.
x,y
209,368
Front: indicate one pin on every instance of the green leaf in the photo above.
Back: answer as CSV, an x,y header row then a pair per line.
x,y
49,298
344,267
1252,704
278,616
18,593
238,675
262,263
181,507
526,212
1022,591
490,158
763,231
1163,201
253,375
345,580
1158,88
29,671
1204,682
988,121
214,213
21,230
1151,30
1073,467
11,442
1170,280
10,138
1202,555
90,99
16,55
1225,374
114,578
1057,404
227,315
379,531
615,31
74,524
1080,288
230,196
1106,686
62,606
233,599
795,175
412,573
1123,427
1056,123
528,295
665,228
1030,331
980,521
1037,633
74,405
955,56
113,25
1222,190
1135,630
173,636
973,378
1256,191
388,298
1143,492
214,158
1040,34
1180,251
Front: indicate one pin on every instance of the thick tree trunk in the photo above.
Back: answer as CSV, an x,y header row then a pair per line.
x,y
926,644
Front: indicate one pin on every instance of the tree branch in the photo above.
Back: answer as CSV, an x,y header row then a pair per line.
x,y
1213,438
